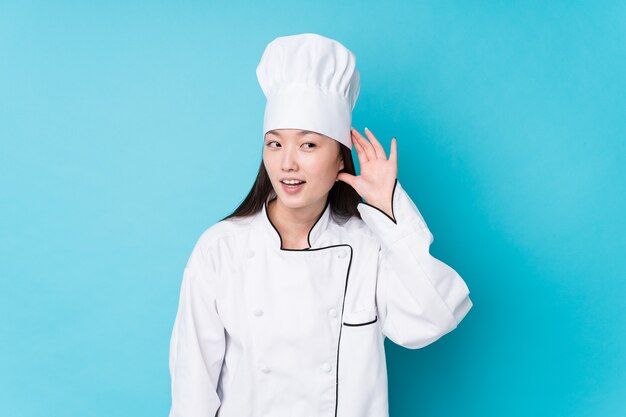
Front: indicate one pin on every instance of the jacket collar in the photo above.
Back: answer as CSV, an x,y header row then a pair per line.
x,y
314,235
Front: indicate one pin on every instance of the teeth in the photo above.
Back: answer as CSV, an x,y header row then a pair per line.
x,y
292,182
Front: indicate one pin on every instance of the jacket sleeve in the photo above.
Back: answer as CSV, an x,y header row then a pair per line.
x,y
419,298
197,343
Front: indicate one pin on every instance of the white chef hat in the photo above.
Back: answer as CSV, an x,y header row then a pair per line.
x,y
311,83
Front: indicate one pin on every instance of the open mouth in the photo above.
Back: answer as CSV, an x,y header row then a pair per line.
x,y
292,186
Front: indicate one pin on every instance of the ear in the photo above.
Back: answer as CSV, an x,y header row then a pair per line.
x,y
342,166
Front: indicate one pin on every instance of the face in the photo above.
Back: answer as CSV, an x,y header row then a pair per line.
x,y
303,155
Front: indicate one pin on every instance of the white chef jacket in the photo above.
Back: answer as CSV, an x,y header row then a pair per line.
x,y
263,331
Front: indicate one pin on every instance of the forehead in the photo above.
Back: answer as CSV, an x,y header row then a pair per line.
x,y
290,132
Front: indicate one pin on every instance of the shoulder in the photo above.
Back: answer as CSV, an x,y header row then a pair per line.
x,y
355,227
224,231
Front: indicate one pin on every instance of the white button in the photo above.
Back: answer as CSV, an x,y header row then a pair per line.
x,y
332,312
342,254
258,312
264,369
326,367
250,254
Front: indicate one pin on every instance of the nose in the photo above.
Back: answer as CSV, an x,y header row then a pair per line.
x,y
289,161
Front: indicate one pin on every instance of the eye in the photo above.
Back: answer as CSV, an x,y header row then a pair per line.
x,y
269,144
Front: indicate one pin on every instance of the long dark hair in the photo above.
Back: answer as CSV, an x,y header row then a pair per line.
x,y
343,198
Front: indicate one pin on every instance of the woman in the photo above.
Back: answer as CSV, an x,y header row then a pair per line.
x,y
285,304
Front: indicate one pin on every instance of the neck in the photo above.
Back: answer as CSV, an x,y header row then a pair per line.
x,y
294,224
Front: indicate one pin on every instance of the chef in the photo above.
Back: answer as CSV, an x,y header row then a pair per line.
x,y
285,304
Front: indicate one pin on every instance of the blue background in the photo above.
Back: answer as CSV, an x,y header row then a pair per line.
x,y
127,128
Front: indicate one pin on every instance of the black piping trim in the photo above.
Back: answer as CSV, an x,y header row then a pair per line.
x,y
361,324
392,208
343,303
308,236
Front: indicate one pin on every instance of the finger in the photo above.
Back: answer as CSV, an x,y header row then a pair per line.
x,y
380,151
359,150
363,157
366,146
393,152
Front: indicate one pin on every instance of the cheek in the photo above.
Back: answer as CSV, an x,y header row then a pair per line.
x,y
326,171
269,163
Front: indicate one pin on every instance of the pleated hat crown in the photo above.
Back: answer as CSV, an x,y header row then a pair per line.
x,y
311,83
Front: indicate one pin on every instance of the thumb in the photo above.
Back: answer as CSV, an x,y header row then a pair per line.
x,y
347,178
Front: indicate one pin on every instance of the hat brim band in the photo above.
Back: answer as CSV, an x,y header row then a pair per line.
x,y
327,114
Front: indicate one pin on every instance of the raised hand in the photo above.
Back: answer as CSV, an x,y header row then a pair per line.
x,y
378,174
